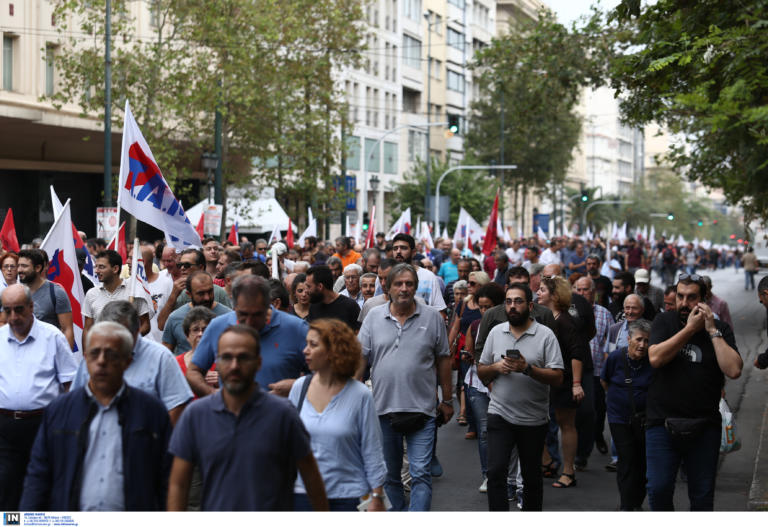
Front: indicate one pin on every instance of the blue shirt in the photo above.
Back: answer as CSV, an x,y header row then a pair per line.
x,y
102,484
248,461
282,346
34,369
618,407
449,271
346,441
173,333
575,259
153,370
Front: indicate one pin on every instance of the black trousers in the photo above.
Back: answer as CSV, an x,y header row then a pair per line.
x,y
599,408
630,469
585,418
16,438
529,440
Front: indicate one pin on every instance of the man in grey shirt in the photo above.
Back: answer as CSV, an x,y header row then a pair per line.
x,y
406,345
522,358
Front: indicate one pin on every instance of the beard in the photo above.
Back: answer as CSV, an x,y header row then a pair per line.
x,y
27,278
518,318
682,315
315,297
236,387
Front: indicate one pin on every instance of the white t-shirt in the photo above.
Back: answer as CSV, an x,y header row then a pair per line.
x,y
160,290
429,289
550,257
515,257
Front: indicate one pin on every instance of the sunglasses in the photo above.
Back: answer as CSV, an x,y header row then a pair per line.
x,y
692,277
472,283
186,265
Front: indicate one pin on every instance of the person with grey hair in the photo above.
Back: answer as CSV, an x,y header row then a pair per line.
x,y
283,339
406,345
38,365
153,367
107,466
352,274
371,260
618,335
626,377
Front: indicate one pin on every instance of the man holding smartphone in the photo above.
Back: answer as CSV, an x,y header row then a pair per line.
x,y
691,352
522,359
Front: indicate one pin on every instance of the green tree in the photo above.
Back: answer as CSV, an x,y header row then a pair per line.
x,y
472,190
699,69
267,66
531,80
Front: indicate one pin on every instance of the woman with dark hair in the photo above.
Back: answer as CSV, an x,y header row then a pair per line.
x,y
300,296
339,414
194,324
555,293
475,265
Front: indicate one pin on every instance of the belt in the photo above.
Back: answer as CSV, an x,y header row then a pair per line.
x,y
21,414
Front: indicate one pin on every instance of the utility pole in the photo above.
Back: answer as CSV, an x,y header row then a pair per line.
x,y
108,108
501,160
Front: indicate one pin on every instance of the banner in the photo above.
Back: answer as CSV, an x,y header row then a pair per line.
x,y
62,269
144,193
107,222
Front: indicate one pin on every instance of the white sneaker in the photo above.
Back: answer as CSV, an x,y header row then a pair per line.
x,y
484,486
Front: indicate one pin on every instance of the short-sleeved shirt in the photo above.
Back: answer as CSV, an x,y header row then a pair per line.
x,y
575,259
248,461
153,370
517,398
159,290
45,310
98,297
34,369
448,271
342,308
283,341
173,333
219,295
689,385
429,289
403,359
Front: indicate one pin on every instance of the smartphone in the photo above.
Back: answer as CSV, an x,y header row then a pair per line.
x,y
513,354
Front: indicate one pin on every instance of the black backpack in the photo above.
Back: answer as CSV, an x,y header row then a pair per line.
x,y
668,256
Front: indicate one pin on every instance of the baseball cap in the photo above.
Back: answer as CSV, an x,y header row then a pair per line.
x,y
642,276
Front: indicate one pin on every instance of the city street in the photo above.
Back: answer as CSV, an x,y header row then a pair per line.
x,y
457,489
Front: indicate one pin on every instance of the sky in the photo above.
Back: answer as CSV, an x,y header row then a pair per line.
x,y
569,10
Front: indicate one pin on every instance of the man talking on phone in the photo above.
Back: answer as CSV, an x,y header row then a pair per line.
x,y
691,353
522,359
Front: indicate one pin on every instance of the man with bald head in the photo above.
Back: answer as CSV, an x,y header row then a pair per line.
x,y
618,335
38,365
449,271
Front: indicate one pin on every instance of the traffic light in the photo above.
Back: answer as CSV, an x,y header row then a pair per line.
x,y
453,124
670,216
714,222
700,223
733,236
584,196
365,221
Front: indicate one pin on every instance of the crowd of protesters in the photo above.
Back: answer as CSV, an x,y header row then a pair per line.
x,y
323,388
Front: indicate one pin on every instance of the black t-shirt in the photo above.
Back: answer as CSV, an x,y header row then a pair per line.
x,y
343,308
584,319
571,346
603,288
690,384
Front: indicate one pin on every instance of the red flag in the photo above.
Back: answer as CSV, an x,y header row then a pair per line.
x,y
490,241
369,239
119,238
289,236
201,226
8,234
233,234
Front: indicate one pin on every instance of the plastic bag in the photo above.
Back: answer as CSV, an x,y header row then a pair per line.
x,y
728,440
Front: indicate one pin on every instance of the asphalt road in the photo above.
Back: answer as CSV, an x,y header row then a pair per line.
x,y
457,489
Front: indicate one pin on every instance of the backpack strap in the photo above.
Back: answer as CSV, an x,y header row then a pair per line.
x,y
303,394
52,292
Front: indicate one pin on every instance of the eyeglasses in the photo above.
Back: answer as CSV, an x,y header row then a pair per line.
x,y
692,277
472,283
185,265
261,249
516,301
9,267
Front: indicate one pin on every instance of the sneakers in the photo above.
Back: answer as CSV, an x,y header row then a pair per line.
x,y
611,467
484,486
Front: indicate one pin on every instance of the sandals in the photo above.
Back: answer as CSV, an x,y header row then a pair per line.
x,y
560,485
549,470
462,420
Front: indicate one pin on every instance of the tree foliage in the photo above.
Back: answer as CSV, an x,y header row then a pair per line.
x,y
267,65
472,190
699,69
532,78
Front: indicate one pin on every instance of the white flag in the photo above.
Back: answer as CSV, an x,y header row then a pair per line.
x,y
403,224
444,235
275,236
88,268
540,233
62,269
137,285
652,235
311,230
144,193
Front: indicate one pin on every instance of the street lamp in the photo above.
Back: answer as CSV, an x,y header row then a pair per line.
x,y
210,162
374,183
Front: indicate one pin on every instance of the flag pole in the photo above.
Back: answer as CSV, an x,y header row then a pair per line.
x,y
134,265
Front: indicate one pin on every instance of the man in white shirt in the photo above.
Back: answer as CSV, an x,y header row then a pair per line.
x,y
429,286
159,285
551,254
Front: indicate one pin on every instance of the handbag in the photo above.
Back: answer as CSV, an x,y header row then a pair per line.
x,y
637,419
728,440
458,343
407,422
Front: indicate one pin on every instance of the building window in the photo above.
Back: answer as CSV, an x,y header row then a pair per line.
x,y
455,81
455,39
390,158
49,69
457,3
437,68
353,152
411,100
411,52
412,9
438,24
372,157
417,145
8,63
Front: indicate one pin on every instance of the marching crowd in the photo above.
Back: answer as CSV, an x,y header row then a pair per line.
x,y
227,388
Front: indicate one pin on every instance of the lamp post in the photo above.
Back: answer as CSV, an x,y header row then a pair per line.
x,y
209,162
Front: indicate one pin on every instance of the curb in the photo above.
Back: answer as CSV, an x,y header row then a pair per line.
x,y
758,491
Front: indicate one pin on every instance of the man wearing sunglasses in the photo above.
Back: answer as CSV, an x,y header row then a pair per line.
x,y
691,353
37,366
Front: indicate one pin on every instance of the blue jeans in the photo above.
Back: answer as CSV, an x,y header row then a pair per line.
x,y
420,444
749,279
479,402
663,457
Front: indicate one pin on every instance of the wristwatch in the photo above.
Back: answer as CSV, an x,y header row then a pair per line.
x,y
716,334
377,495
527,370
449,402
